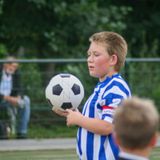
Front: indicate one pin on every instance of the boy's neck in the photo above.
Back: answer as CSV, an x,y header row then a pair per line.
x,y
110,74
140,152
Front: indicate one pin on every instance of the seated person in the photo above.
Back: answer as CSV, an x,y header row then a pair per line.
x,y
12,98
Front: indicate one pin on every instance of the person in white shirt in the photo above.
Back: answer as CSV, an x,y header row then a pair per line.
x,y
12,97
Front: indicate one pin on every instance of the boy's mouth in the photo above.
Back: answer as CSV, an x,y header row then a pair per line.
x,y
90,67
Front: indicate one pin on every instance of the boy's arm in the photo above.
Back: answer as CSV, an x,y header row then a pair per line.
x,y
94,125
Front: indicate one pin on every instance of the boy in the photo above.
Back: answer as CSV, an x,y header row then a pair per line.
x,y
106,56
136,128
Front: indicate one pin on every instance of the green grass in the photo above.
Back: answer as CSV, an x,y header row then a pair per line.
x,y
39,155
53,155
51,131
155,155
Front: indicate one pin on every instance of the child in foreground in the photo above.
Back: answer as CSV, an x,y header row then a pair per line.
x,y
106,56
136,128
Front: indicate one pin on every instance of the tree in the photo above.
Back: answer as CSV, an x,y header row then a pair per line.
x,y
56,28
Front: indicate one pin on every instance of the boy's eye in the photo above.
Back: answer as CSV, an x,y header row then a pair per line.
x,y
96,54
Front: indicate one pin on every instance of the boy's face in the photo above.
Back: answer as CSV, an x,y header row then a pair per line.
x,y
99,61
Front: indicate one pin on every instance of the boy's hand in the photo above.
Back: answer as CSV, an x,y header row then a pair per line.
x,y
73,117
60,112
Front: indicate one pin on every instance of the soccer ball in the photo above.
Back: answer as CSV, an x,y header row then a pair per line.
x,y
64,91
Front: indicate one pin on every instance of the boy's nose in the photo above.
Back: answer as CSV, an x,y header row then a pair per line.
x,y
90,58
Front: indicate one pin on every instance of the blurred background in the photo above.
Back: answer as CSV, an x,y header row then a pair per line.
x,y
51,36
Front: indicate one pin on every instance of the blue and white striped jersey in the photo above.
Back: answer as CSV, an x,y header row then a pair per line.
x,y
106,97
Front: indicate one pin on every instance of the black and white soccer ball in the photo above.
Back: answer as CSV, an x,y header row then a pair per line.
x,y
64,91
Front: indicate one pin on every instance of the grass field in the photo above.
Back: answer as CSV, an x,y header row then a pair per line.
x,y
52,131
39,155
54,155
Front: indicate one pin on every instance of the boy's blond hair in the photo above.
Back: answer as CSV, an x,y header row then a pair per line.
x,y
115,44
136,123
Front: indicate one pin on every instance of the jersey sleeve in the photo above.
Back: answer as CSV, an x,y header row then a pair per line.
x,y
108,106
109,103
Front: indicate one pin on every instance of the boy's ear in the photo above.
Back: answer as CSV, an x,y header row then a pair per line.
x,y
154,140
113,60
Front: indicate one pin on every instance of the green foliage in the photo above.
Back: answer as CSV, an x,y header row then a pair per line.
x,y
32,81
3,51
144,80
56,28
156,95
60,27
77,21
142,28
1,4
